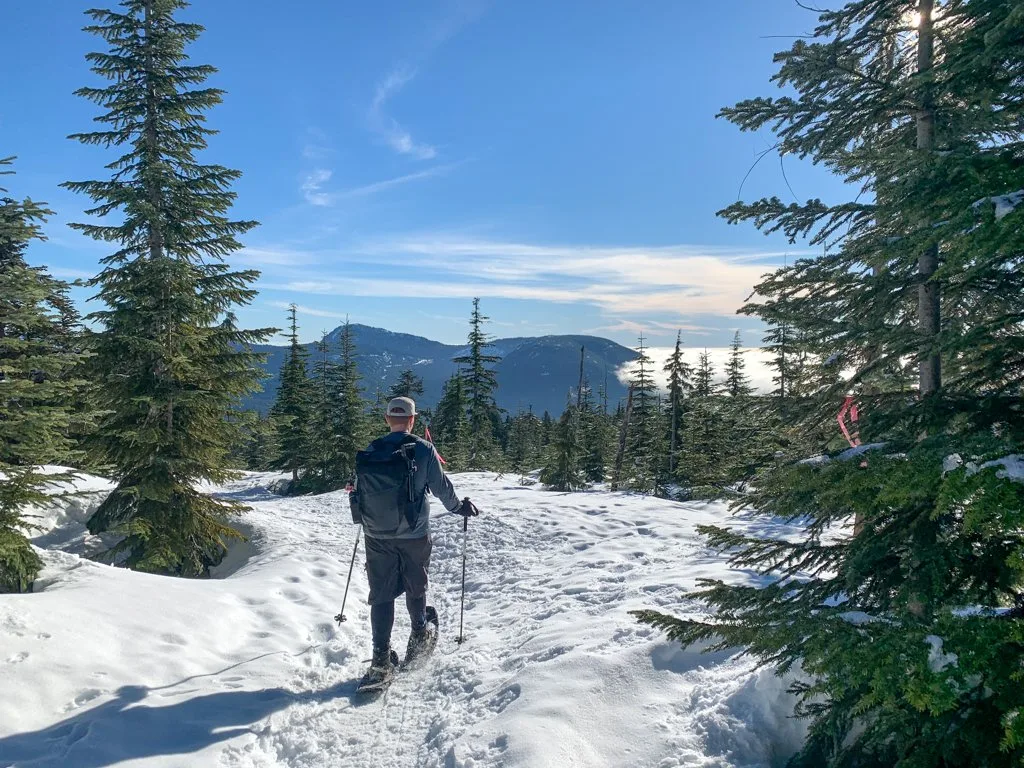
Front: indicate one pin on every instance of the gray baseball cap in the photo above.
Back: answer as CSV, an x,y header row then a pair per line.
x,y
402,407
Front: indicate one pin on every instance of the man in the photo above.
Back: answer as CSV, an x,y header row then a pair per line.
x,y
393,477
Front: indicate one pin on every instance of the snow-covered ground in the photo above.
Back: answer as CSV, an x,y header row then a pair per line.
x,y
106,667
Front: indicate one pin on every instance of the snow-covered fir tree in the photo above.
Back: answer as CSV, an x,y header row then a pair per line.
x,y
168,362
908,626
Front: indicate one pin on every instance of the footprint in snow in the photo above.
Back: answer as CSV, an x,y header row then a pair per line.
x,y
83,698
505,697
18,657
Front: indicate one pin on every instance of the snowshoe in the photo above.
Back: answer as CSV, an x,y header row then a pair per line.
x,y
381,672
422,644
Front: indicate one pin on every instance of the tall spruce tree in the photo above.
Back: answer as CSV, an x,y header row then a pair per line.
x,y
352,427
480,382
407,385
701,461
525,443
680,385
36,388
643,441
737,383
921,106
293,407
562,469
452,435
169,360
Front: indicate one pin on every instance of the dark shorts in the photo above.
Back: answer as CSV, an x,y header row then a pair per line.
x,y
394,566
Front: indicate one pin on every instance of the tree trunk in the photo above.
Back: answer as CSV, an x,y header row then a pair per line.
x,y
928,312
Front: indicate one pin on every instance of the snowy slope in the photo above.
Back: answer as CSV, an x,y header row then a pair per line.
x,y
107,667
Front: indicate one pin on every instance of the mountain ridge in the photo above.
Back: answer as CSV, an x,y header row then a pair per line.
x,y
535,372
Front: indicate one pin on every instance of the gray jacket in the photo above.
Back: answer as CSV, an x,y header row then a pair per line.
x,y
429,477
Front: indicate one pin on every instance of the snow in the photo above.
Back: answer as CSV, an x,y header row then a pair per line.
x,y
1011,467
1004,204
847,455
107,667
938,659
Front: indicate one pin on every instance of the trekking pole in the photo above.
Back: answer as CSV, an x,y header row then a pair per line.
x,y
341,616
462,609
470,509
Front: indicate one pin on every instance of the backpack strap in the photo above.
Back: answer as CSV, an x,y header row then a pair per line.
x,y
408,450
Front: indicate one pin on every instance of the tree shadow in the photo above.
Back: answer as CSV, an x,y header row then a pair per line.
x,y
126,728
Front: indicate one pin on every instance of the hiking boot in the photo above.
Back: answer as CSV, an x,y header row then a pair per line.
x,y
422,642
382,669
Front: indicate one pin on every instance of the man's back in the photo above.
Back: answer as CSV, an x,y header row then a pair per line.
x,y
428,475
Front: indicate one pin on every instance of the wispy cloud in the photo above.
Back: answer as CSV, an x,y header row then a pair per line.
x,y
304,310
380,186
658,289
389,129
312,187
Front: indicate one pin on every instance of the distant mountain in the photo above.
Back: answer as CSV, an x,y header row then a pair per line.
x,y
535,372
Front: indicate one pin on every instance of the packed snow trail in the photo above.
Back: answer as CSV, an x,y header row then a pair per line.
x,y
108,667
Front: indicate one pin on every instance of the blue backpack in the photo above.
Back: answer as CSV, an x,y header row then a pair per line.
x,y
385,492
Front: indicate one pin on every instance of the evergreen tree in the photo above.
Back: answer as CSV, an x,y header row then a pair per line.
x,y
643,442
480,383
36,391
737,383
701,461
325,386
168,359
452,437
352,429
293,407
926,269
562,469
680,385
524,446
546,429
704,376
595,429
408,385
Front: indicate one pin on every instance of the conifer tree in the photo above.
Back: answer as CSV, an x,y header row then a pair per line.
x,y
643,442
525,447
546,428
595,431
680,384
480,382
737,383
168,358
562,470
324,390
408,385
36,391
293,407
452,435
920,105
701,464
352,427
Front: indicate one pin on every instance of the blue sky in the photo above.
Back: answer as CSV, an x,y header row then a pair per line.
x,y
561,160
